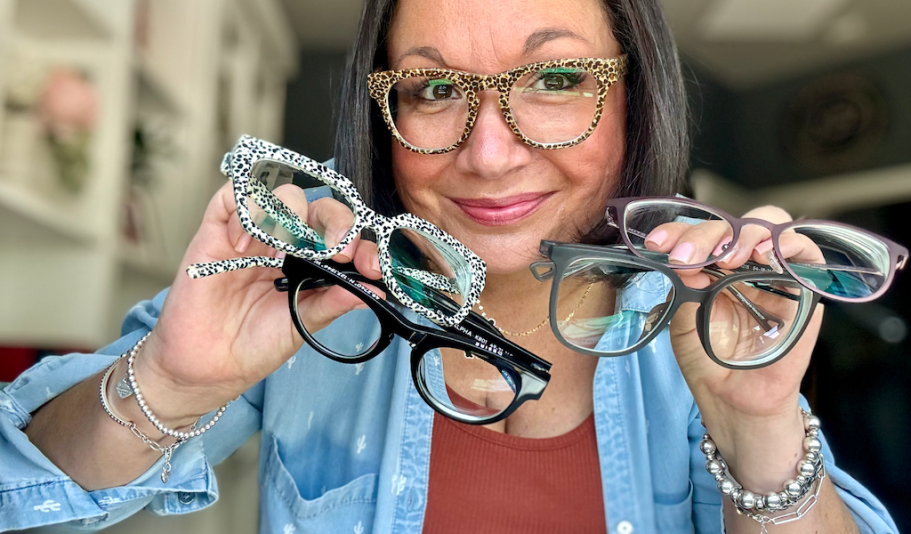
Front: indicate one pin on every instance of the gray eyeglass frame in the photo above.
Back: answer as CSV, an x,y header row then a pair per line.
x,y
563,255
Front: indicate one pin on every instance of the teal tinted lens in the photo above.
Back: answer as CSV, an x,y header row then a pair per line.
x,y
840,262
595,313
283,199
429,272
467,384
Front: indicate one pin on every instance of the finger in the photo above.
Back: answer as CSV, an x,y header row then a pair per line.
x,y
320,308
333,219
799,247
664,236
220,219
793,247
366,260
699,241
773,214
750,236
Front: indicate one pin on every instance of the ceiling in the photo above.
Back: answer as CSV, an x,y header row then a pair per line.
x,y
742,43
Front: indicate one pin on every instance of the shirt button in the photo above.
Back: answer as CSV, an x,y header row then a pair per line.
x,y
185,497
624,527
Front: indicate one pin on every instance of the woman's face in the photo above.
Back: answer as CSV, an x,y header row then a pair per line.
x,y
497,195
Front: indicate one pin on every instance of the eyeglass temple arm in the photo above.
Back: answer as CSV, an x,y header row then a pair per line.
x,y
202,270
436,281
760,314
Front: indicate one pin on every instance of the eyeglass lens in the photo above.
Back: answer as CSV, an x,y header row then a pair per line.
x,y
459,381
553,105
837,261
283,203
465,383
750,321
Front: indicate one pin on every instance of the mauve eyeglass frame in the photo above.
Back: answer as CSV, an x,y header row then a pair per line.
x,y
615,213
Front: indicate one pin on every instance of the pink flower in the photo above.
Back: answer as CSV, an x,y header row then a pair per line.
x,y
68,103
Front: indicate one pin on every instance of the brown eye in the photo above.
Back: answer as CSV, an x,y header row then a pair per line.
x,y
442,91
554,82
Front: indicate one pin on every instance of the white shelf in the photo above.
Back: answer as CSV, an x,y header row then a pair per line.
x,y
61,20
25,214
67,253
154,93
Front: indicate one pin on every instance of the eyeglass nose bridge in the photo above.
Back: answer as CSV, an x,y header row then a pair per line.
x,y
502,84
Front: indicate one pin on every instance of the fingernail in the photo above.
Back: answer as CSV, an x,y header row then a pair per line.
x,y
764,246
376,264
657,238
682,253
242,243
722,247
280,255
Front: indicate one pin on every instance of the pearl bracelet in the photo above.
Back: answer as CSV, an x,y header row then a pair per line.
x,y
134,386
810,472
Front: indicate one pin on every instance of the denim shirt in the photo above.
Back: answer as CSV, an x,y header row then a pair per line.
x,y
346,448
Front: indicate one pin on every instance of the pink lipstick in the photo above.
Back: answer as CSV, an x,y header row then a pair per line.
x,y
501,211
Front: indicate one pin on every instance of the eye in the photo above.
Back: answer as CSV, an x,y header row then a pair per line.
x,y
553,81
441,89
557,79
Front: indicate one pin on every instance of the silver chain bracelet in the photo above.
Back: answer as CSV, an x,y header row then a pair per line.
x,y
167,451
810,474
128,386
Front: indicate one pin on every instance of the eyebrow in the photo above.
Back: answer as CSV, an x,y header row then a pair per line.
x,y
428,52
534,41
540,37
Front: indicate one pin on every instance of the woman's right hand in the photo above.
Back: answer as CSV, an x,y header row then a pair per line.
x,y
218,336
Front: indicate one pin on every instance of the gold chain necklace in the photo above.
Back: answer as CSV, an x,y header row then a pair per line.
x,y
542,323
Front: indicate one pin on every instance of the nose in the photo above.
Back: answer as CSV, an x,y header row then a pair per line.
x,y
492,150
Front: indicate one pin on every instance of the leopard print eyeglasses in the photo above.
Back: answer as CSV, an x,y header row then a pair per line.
x,y
548,105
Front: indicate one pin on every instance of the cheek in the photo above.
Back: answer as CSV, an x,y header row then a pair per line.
x,y
414,175
595,165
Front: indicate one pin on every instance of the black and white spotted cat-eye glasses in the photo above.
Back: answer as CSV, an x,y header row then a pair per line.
x,y
412,252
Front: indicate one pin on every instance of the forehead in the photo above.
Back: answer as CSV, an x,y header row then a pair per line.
x,y
487,36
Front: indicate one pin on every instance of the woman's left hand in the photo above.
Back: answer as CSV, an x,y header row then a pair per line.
x,y
752,415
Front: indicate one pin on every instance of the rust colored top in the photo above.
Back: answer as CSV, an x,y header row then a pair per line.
x,y
482,481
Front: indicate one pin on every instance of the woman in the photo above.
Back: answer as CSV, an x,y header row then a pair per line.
x,y
347,448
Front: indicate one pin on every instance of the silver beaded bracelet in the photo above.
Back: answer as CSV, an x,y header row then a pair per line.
x,y
165,451
810,473
134,388
128,386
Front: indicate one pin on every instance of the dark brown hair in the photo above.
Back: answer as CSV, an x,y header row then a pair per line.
x,y
657,139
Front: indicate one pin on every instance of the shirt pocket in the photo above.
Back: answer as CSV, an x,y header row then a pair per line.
x,y
349,508
675,517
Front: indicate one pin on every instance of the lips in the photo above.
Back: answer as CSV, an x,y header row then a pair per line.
x,y
501,211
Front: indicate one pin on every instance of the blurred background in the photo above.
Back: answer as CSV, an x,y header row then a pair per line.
x,y
115,115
